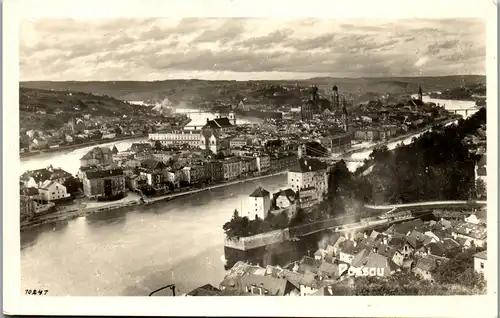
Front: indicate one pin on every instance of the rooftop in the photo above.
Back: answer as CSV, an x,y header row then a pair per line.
x,y
481,255
308,165
259,193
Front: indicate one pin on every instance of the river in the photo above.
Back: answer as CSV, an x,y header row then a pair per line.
x,y
133,252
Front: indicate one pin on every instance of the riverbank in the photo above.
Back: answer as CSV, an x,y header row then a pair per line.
x,y
34,154
398,138
97,207
171,196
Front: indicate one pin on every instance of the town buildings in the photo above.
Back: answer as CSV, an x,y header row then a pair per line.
x,y
52,191
178,137
97,156
102,183
480,262
309,173
232,168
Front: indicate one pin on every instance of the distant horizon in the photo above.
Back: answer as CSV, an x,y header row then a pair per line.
x,y
257,80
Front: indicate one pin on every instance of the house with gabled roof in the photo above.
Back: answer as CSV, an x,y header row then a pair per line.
x,y
97,156
267,285
424,268
219,124
406,227
480,262
52,191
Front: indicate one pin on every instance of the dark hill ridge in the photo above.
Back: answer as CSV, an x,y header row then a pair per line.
x,y
39,108
189,90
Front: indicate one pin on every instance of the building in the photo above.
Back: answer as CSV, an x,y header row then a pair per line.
x,y
248,166
33,178
337,143
238,142
474,233
196,174
103,182
367,134
232,168
27,208
480,262
424,268
97,156
308,173
136,181
220,124
282,162
214,171
39,143
267,286
309,108
52,191
210,140
480,170
140,147
178,137
285,198
263,163
259,204
155,172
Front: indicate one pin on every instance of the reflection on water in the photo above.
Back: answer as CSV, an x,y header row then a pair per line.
x,y
29,237
135,252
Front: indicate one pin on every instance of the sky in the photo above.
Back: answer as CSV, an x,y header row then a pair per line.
x,y
248,48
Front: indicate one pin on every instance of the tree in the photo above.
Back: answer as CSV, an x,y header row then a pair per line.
x,y
158,145
480,189
460,270
72,185
219,155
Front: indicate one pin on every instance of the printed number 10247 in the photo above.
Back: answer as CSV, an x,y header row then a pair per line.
x,y
35,292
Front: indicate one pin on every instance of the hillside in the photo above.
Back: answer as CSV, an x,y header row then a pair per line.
x,y
200,90
50,109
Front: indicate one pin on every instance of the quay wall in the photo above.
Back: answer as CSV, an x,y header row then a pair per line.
x,y
259,240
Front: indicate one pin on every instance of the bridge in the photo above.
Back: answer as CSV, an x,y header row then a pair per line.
x,y
338,224
429,204
464,112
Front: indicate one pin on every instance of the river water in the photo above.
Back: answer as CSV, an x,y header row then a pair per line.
x,y
134,252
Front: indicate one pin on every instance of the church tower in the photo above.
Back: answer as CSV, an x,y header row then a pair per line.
x,y
335,98
232,117
420,92
345,116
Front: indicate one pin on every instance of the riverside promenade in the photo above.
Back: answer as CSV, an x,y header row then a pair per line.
x,y
76,210
170,196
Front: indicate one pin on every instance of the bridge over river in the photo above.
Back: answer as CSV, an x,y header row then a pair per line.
x,y
340,224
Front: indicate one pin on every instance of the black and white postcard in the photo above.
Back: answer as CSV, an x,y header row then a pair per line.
x,y
165,151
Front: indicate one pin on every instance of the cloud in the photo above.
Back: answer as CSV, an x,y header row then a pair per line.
x,y
157,48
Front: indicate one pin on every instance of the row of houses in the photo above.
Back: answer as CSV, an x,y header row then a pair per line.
x,y
107,172
414,247
41,189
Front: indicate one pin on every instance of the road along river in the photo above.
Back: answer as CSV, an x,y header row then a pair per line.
x,y
135,251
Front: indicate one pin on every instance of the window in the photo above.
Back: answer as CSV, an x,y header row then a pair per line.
x,y
482,265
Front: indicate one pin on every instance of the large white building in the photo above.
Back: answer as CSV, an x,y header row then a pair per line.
x,y
52,191
307,174
179,137
259,204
